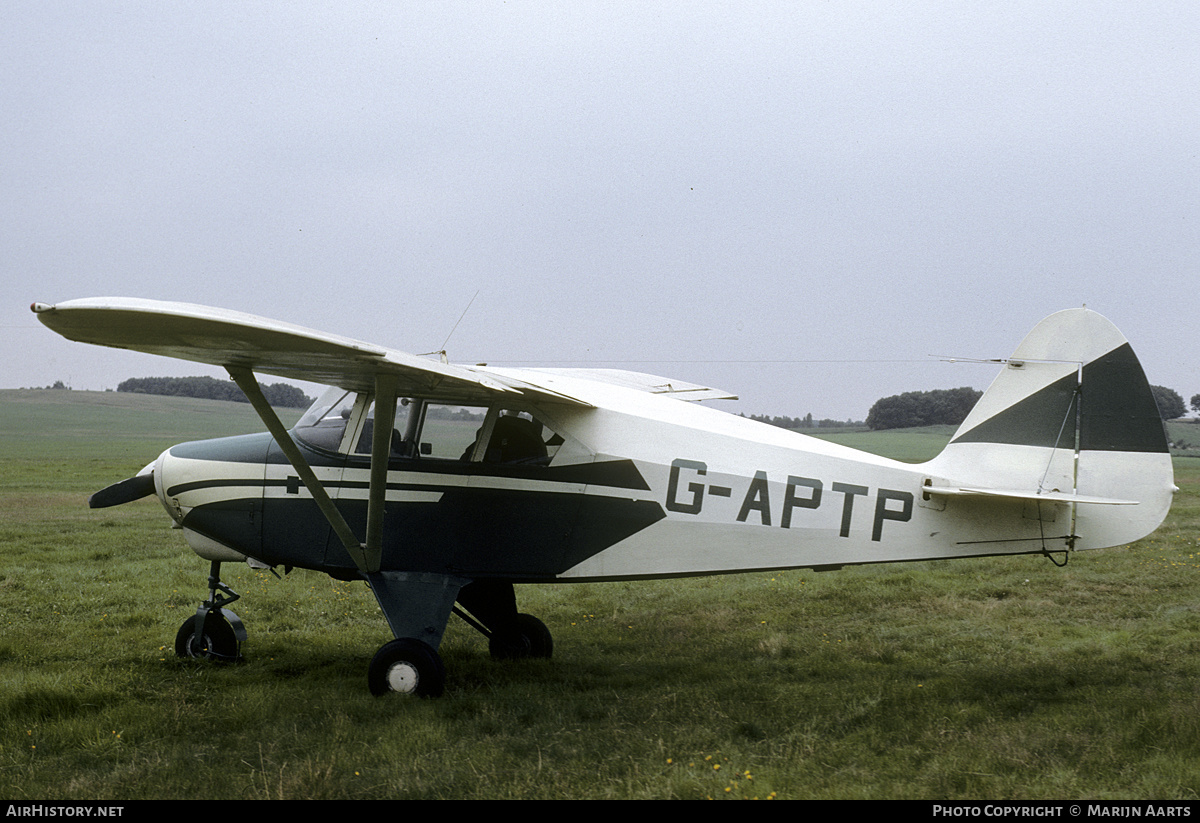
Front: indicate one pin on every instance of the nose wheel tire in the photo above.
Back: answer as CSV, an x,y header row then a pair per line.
x,y
407,666
218,642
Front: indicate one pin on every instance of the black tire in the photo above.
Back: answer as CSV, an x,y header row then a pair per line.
x,y
219,643
526,637
407,666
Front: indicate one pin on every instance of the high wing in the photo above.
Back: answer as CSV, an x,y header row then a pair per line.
x,y
220,337
232,339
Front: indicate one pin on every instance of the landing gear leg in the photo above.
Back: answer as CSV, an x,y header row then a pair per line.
x,y
213,632
417,606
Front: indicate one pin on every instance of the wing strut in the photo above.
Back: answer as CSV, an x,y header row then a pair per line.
x,y
247,382
381,449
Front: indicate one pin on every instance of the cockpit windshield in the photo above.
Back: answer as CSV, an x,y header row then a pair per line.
x,y
324,424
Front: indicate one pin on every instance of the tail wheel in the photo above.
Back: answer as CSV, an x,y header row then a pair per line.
x,y
525,637
407,666
217,642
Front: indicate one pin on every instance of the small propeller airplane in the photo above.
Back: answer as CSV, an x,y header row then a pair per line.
x,y
444,485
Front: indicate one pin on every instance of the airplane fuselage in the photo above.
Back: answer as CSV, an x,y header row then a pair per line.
x,y
653,489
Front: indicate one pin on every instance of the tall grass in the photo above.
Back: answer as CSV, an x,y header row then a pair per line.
x,y
989,678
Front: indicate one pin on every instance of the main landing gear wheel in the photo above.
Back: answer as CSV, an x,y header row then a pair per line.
x,y
218,642
407,666
526,637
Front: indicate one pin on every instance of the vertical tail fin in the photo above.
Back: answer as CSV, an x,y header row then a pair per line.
x,y
1070,414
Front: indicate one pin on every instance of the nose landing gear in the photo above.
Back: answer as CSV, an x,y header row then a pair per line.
x,y
213,632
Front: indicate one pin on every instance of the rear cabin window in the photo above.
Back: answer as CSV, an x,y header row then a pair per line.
x,y
451,432
518,438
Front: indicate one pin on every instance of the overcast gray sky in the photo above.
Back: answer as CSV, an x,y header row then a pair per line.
x,y
799,202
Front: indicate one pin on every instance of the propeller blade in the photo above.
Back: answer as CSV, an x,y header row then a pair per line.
x,y
134,488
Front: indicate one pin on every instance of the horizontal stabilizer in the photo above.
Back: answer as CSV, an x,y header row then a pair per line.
x,y
1041,497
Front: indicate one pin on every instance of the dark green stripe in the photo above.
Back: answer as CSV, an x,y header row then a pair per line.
x,y
1119,412
1044,418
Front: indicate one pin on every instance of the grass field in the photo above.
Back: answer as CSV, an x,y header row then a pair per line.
x,y
990,678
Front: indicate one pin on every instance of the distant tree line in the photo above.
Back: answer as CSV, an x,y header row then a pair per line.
x,y
922,408
460,415
1170,404
917,408
805,422
951,406
207,388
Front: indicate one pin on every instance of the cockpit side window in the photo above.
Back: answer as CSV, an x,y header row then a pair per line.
x,y
403,444
449,432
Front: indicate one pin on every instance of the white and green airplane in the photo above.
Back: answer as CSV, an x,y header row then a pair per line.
x,y
483,478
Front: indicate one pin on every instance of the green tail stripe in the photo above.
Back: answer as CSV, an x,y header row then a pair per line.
x,y
1119,412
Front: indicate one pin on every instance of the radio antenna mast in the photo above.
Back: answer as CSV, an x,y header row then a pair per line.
x,y
442,350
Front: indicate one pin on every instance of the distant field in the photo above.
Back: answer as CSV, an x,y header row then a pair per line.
x,y
31,418
922,443
1000,678
1185,438
914,445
